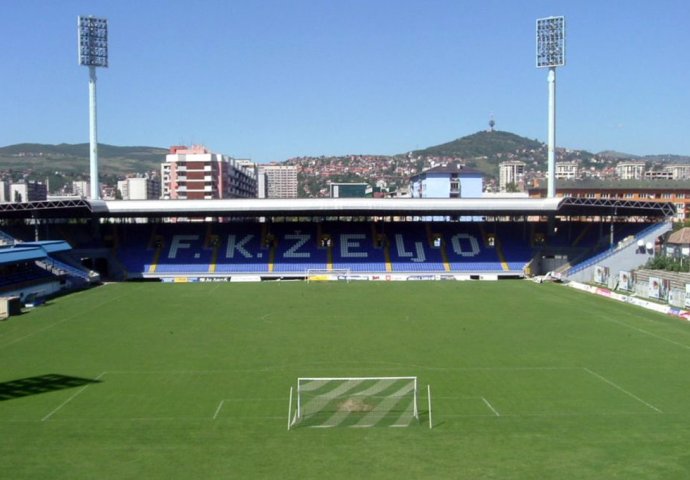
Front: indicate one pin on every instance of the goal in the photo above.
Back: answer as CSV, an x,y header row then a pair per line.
x,y
357,402
324,275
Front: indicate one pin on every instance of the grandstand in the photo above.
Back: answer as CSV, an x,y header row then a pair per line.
x,y
375,239
39,269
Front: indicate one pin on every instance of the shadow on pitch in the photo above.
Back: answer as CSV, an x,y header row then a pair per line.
x,y
25,387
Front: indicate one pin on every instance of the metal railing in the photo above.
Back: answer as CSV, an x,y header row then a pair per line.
x,y
57,266
6,239
611,251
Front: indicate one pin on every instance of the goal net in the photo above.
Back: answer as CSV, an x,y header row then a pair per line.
x,y
323,275
354,402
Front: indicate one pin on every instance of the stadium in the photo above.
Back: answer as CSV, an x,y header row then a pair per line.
x,y
264,339
263,239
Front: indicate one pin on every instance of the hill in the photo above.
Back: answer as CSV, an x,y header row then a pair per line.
x,y
612,154
73,159
482,144
483,151
667,158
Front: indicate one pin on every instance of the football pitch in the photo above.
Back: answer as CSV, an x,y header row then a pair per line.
x,y
160,381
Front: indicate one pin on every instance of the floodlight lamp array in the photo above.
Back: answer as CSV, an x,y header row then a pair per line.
x,y
93,41
551,42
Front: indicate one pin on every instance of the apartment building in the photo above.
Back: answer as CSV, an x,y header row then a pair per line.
x,y
447,181
5,191
28,191
511,172
139,188
195,173
676,192
633,170
277,181
567,170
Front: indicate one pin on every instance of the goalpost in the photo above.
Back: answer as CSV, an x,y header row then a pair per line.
x,y
325,275
357,402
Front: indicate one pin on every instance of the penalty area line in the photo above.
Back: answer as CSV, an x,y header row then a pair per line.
x,y
220,405
486,402
70,398
618,387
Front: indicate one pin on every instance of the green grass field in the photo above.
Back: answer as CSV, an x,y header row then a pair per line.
x,y
163,381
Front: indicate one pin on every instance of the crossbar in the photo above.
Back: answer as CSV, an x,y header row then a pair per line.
x,y
300,379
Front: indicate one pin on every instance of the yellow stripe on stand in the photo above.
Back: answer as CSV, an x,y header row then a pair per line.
x,y
156,257
499,252
214,260
272,257
582,234
387,253
444,256
329,259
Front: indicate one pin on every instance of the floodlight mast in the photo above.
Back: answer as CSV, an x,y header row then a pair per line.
x,y
93,52
551,54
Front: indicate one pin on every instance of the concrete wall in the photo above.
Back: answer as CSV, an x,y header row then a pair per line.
x,y
624,256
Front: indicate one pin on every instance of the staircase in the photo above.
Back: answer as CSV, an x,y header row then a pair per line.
x,y
80,276
6,239
623,256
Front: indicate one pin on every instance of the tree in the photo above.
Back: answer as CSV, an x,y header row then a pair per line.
x,y
512,187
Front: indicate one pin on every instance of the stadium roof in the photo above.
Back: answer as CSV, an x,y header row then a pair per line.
x,y
50,246
9,255
617,184
329,207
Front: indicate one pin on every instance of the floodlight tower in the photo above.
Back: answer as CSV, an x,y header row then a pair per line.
x,y
93,52
551,54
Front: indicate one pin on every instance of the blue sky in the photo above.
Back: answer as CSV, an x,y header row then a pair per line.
x,y
274,79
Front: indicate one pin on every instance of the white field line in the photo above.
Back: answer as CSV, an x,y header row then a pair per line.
x,y
205,418
259,399
285,366
650,334
220,405
199,372
550,415
412,366
59,322
618,387
273,419
491,407
70,399
47,327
